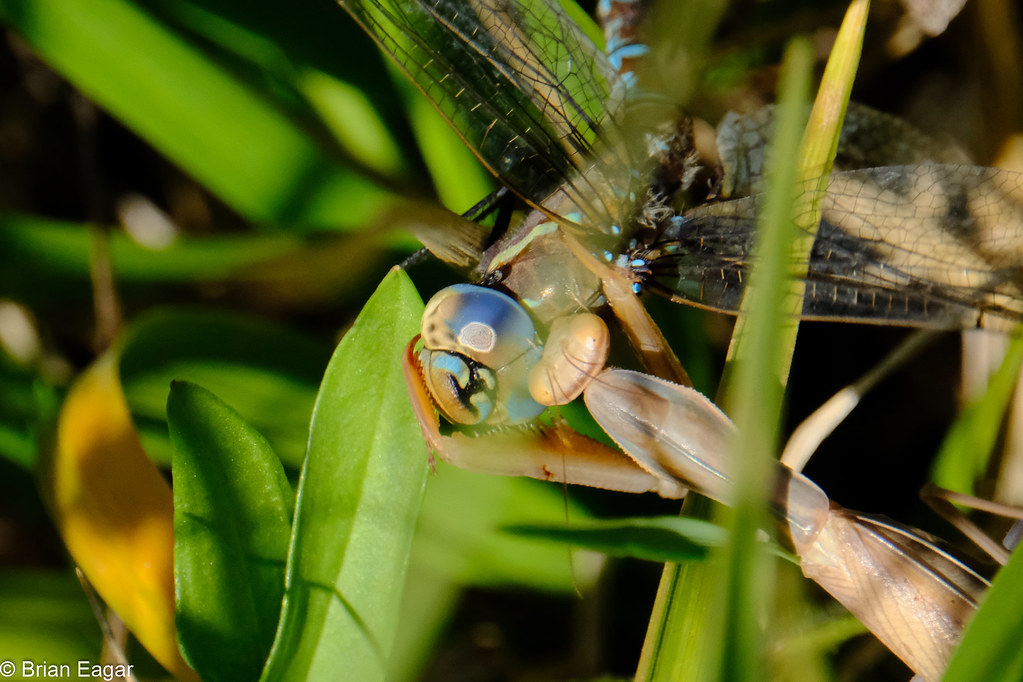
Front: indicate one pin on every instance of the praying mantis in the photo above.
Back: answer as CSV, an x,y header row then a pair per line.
x,y
916,240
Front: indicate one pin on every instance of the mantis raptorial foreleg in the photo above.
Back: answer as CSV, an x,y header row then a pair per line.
x,y
552,453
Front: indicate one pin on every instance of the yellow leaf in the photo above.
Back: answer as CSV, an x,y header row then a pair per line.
x,y
115,511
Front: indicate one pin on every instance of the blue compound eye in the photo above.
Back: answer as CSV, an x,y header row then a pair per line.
x,y
479,346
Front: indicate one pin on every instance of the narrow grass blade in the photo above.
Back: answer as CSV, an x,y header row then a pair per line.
x,y
686,610
990,649
668,538
966,451
34,246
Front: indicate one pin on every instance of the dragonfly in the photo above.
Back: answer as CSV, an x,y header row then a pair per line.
x,y
910,234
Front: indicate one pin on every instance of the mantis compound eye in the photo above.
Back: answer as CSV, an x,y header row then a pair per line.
x,y
478,348
463,390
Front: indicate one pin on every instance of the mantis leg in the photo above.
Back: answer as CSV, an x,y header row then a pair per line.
x,y
551,453
913,595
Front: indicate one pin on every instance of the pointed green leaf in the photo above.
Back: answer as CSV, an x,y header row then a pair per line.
x,y
232,522
358,500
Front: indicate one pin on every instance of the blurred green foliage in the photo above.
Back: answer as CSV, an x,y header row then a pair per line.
x,y
272,139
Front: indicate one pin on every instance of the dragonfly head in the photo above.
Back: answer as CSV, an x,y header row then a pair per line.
x,y
478,347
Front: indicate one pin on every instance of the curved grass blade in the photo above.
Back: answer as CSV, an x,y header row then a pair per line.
x,y
666,538
358,499
46,262
62,248
232,522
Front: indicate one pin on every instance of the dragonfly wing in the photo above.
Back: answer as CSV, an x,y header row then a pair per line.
x,y
869,138
924,245
914,596
528,92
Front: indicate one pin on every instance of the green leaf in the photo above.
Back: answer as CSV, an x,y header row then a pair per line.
x,y
458,544
966,451
265,371
358,500
196,111
232,522
458,176
309,61
990,649
46,263
665,538
63,249
46,616
755,396
460,536
705,621
27,403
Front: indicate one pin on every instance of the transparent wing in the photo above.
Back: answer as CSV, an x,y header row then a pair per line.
x,y
926,245
528,92
869,138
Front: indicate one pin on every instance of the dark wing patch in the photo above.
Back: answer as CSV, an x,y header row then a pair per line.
x,y
923,245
